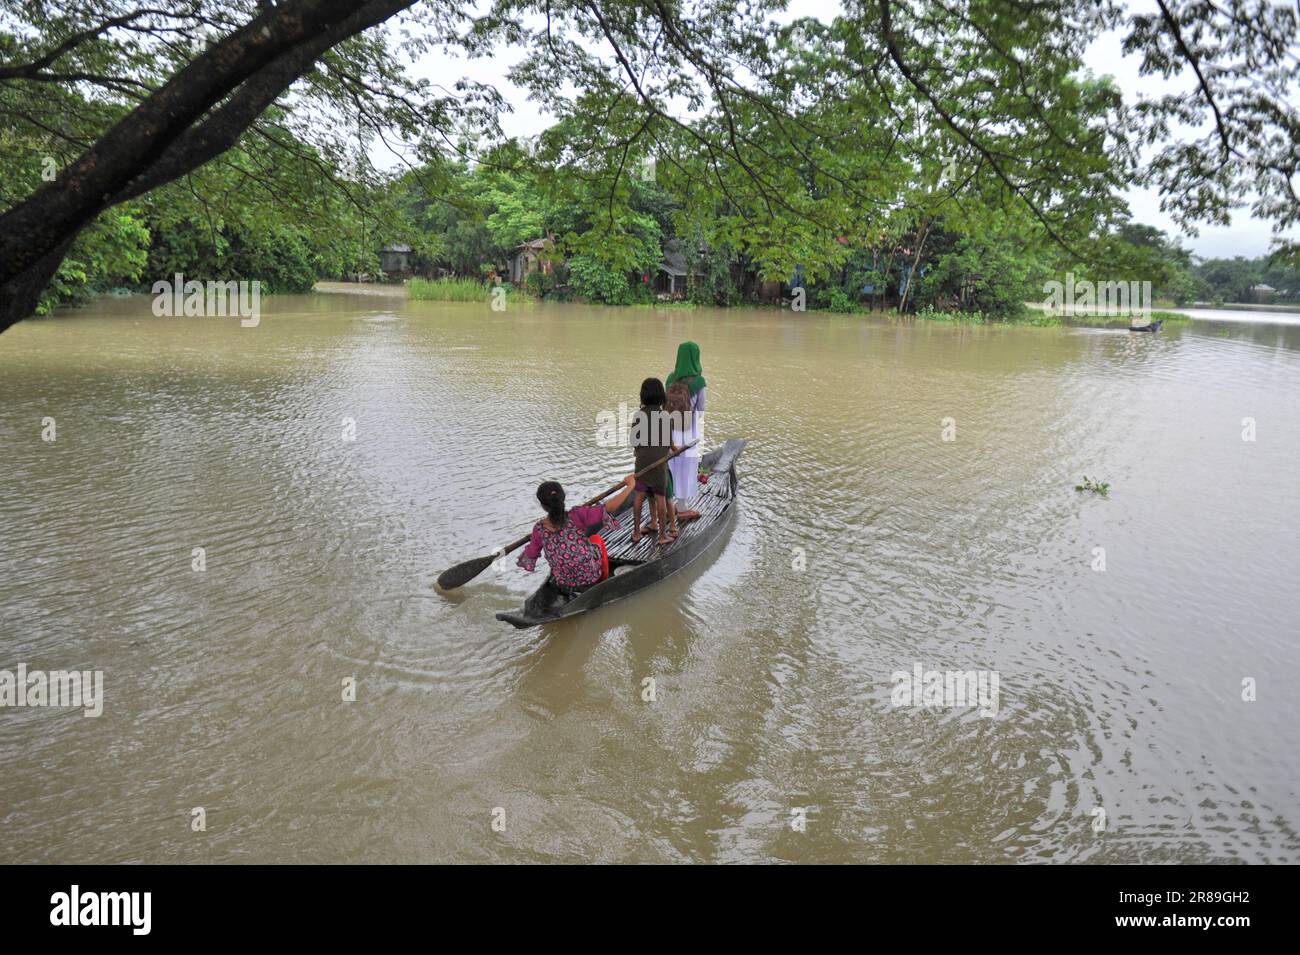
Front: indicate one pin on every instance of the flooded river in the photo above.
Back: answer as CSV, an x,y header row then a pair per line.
x,y
907,500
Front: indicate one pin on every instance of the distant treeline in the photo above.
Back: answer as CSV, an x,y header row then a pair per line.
x,y
990,268
1189,278
927,254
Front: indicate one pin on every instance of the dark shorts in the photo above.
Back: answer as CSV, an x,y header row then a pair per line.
x,y
647,489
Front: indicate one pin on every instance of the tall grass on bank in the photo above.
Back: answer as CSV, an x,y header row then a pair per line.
x,y
448,290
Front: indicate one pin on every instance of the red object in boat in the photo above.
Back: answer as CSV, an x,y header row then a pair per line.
x,y
604,555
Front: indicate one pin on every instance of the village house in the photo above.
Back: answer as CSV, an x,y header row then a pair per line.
x,y
532,256
395,260
674,272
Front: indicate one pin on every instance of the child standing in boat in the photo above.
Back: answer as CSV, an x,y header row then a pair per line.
x,y
651,440
570,539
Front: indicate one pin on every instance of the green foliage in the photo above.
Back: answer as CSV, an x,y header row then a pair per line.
x,y
540,284
596,281
283,258
1234,81
1231,280
1183,286
1144,253
989,273
448,290
714,284
839,300
1136,252
964,138
254,214
1096,487
930,314
112,252
516,216
784,143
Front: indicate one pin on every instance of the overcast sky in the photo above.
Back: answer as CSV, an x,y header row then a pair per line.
x,y
1245,236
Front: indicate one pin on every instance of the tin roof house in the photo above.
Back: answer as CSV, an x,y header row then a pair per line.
x,y
531,256
674,271
395,259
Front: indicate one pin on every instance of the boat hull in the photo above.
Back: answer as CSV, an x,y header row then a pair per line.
x,y
634,567
1153,327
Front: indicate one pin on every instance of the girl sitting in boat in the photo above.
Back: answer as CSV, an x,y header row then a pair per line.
x,y
651,440
571,539
683,470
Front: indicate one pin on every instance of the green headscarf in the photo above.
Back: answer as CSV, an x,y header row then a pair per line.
x,y
688,367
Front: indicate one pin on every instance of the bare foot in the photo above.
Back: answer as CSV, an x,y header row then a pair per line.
x,y
636,535
674,532
688,515
664,541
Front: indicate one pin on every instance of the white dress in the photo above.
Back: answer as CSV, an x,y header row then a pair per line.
x,y
685,467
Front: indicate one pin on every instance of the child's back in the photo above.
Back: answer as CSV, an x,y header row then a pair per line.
x,y
652,440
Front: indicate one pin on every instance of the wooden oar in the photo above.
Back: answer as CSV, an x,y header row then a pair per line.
x,y
461,574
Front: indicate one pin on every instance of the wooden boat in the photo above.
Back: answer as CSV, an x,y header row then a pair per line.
x,y
1152,327
633,567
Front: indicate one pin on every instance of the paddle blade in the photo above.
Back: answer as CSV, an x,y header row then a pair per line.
x,y
461,574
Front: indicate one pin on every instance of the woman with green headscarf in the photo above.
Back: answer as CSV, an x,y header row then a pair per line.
x,y
688,370
683,470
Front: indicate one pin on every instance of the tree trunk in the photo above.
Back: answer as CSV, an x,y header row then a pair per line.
x,y
19,295
916,260
195,116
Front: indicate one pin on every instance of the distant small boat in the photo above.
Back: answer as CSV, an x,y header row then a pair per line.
x,y
1152,327
636,566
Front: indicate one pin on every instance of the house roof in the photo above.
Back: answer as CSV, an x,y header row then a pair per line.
x,y
396,247
674,260
674,263
1261,287
533,244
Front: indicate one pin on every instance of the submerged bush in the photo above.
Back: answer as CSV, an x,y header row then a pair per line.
x,y
598,282
838,300
448,290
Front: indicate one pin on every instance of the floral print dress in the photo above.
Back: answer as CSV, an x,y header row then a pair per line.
x,y
574,558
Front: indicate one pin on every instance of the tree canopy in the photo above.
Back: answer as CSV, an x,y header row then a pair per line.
x,y
795,144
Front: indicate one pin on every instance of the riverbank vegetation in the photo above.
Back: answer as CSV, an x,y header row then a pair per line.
x,y
448,290
720,156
